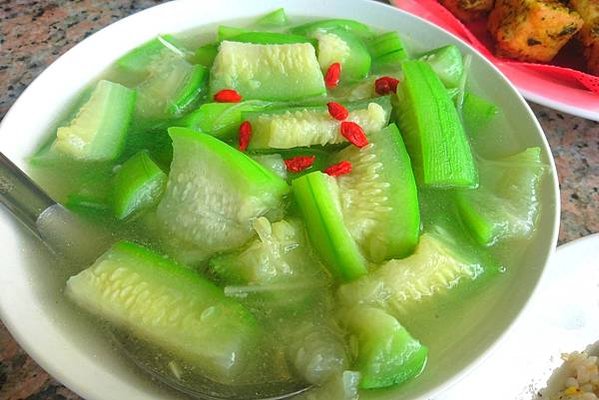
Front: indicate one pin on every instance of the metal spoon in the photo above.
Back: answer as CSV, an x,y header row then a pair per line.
x,y
67,235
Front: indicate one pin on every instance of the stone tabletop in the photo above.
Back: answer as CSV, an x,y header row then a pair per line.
x,y
34,33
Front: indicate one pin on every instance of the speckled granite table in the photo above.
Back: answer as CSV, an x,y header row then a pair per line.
x,y
34,33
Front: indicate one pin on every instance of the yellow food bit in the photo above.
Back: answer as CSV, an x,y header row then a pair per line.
x,y
572,390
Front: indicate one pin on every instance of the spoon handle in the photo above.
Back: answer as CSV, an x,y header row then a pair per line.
x,y
23,198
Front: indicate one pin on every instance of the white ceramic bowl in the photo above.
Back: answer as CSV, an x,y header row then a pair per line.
x,y
74,351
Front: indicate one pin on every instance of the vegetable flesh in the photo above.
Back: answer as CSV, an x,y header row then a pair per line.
x,y
131,287
309,126
379,199
267,71
214,192
432,272
98,131
506,205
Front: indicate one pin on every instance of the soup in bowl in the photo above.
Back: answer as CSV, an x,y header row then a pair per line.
x,y
344,195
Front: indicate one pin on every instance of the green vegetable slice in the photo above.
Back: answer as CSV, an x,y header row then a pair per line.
x,y
506,206
432,130
221,120
168,305
317,196
267,71
99,129
137,185
214,192
137,61
357,28
340,46
477,113
379,199
447,62
387,354
269,38
439,266
276,18
387,51
309,126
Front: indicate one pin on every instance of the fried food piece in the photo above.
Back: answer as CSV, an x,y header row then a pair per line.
x,y
468,10
589,34
532,30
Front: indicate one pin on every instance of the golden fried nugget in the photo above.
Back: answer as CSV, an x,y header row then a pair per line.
x,y
532,30
589,34
468,10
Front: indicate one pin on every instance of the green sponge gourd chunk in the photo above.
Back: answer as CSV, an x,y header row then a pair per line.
x,y
267,71
433,131
169,305
99,129
214,192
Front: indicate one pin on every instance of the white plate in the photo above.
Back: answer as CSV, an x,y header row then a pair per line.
x,y
562,317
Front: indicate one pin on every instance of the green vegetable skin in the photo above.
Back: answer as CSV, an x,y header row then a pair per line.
x,y
318,199
387,51
477,113
129,287
137,60
506,206
432,130
137,185
276,18
285,71
221,120
447,63
357,28
98,130
172,87
387,353
214,192
309,126
379,197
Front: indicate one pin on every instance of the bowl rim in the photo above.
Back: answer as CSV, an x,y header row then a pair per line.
x,y
26,339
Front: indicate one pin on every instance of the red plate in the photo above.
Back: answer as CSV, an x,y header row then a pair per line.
x,y
561,85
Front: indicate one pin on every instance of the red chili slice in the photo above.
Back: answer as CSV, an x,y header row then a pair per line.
x,y
227,96
341,168
245,135
354,133
331,78
337,111
385,85
299,163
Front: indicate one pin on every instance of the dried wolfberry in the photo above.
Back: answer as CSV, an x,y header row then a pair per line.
x,y
299,163
341,168
331,78
337,111
385,85
354,133
245,134
227,96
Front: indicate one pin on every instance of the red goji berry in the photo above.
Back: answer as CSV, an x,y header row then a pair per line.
x,y
354,133
331,78
245,134
341,168
299,163
337,111
385,85
227,96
